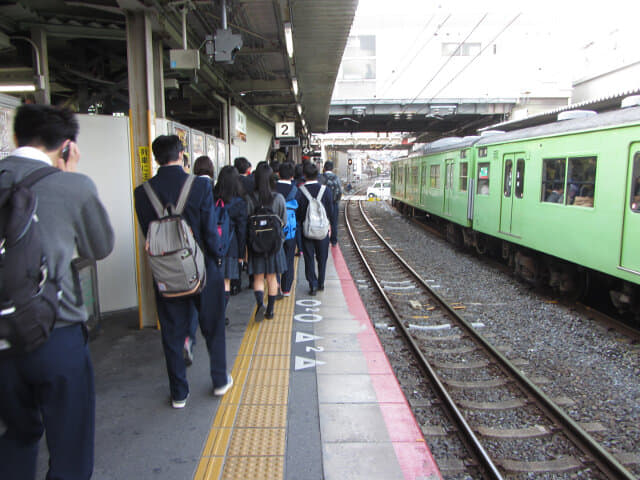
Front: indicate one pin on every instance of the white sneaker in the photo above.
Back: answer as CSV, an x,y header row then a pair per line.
x,y
179,403
225,388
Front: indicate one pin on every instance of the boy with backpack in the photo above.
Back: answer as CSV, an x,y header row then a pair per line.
x,y
46,381
289,191
315,207
174,313
332,181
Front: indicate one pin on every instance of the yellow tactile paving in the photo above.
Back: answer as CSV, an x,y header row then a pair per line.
x,y
248,434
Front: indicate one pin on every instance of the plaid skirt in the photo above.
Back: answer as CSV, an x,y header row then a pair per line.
x,y
276,263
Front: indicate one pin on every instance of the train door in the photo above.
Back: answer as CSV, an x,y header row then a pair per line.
x,y
506,205
512,194
630,252
448,186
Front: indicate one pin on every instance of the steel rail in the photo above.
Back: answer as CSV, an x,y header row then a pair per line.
x,y
605,461
472,441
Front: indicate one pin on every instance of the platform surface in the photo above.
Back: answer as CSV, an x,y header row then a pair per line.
x,y
314,397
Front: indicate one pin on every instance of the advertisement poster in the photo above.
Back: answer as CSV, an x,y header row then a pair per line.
x,y
197,144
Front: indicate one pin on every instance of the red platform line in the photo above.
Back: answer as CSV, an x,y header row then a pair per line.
x,y
412,452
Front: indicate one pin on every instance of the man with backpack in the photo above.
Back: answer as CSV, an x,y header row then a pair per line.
x,y
332,181
46,384
288,190
175,312
315,207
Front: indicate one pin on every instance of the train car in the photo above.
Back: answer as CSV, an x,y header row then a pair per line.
x,y
559,201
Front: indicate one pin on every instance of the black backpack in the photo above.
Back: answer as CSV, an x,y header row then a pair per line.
x,y
28,296
265,235
333,183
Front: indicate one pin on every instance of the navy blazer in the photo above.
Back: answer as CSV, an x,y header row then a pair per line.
x,y
303,203
199,211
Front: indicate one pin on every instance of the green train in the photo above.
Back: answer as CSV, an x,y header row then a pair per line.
x,y
560,202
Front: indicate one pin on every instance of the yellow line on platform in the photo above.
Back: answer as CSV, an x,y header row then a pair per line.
x,y
248,435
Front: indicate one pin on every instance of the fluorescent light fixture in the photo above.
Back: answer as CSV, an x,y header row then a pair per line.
x,y
288,38
18,88
304,123
294,86
299,108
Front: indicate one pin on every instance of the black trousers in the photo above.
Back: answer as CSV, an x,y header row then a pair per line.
x,y
315,252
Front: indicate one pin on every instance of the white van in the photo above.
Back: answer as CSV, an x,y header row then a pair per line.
x,y
380,189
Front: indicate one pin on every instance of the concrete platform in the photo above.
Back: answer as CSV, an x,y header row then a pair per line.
x,y
314,397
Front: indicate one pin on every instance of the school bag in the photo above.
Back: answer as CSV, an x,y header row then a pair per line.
x,y
291,203
224,228
177,262
28,294
316,223
334,184
264,232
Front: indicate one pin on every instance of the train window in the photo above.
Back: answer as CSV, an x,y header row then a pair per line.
x,y
414,176
520,178
581,181
434,181
464,166
482,151
448,181
508,167
483,178
635,186
553,173
463,153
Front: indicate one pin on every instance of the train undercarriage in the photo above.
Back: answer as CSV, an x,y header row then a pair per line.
x,y
541,270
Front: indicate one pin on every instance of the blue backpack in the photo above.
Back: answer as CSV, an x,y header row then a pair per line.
x,y
291,203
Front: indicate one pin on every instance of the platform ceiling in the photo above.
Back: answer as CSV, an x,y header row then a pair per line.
x,y
88,66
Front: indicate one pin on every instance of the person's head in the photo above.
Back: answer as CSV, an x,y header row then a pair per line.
x,y
275,166
242,165
228,184
328,166
203,166
297,171
263,182
286,171
44,126
310,171
168,149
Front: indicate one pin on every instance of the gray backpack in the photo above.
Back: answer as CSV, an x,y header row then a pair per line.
x,y
316,222
177,262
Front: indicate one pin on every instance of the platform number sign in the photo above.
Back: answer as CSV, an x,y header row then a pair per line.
x,y
285,130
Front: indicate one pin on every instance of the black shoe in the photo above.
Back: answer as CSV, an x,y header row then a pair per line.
x,y
268,315
312,291
234,291
279,296
320,288
259,316
226,321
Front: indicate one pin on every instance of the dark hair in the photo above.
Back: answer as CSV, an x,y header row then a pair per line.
x,y
264,182
275,166
286,171
228,184
44,126
203,166
242,165
166,148
328,165
310,171
297,171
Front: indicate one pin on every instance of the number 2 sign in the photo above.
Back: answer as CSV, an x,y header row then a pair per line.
x,y
285,129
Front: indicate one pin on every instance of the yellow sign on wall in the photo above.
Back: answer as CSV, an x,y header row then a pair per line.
x,y
145,163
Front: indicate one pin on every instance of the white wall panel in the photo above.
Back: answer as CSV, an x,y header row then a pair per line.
x,y
105,157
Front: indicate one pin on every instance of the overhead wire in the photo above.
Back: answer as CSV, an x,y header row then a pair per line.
x,y
404,109
470,61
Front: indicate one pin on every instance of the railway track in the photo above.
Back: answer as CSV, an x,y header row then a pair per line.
x,y
507,424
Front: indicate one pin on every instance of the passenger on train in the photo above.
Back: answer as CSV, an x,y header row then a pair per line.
x,y
174,314
230,191
556,195
289,191
314,251
51,389
266,266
